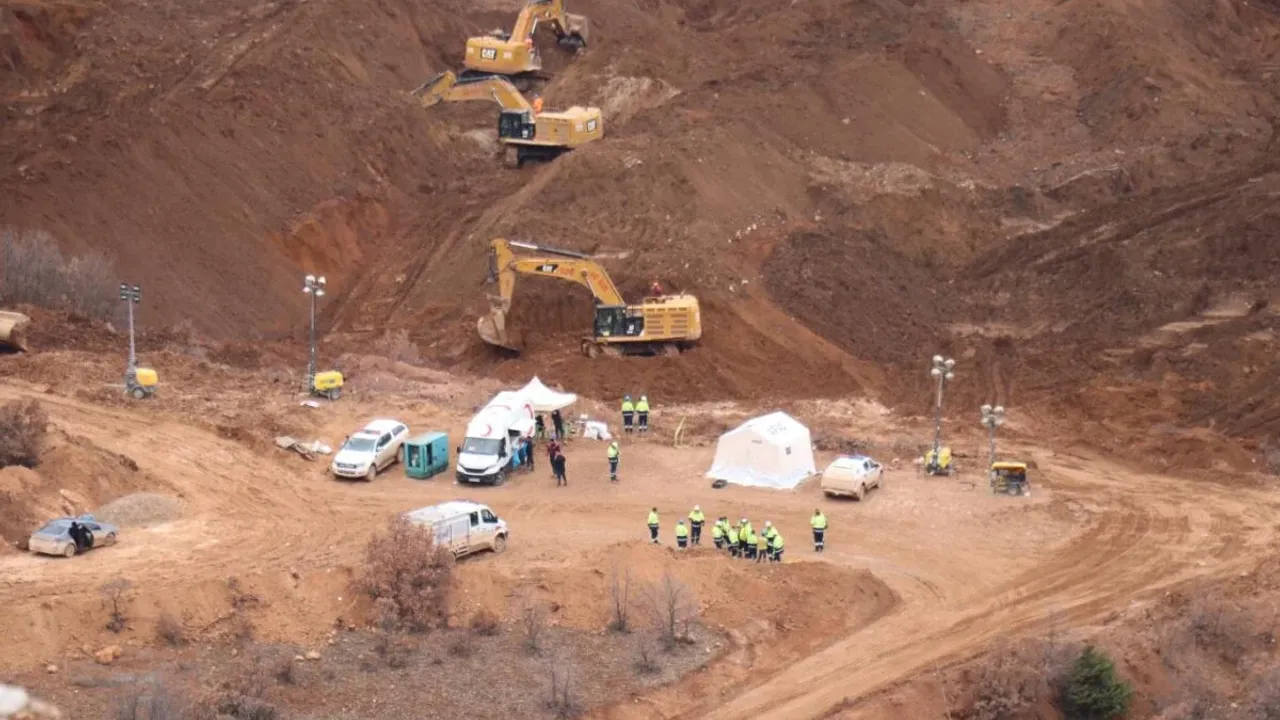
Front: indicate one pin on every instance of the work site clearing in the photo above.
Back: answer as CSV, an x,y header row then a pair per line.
x,y
765,207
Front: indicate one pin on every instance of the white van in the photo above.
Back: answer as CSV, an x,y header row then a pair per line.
x,y
485,455
851,476
462,526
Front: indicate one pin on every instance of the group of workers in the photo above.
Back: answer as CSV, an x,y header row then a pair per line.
x,y
740,539
633,411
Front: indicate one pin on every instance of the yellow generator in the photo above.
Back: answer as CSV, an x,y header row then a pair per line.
x,y
939,463
328,385
142,382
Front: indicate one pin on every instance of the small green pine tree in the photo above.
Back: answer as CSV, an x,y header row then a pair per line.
x,y
1093,691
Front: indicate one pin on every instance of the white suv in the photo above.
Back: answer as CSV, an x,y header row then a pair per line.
x,y
374,448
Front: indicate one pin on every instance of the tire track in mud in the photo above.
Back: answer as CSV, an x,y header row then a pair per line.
x,y
1140,542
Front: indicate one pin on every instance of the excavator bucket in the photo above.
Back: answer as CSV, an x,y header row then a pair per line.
x,y
493,330
13,330
579,32
433,90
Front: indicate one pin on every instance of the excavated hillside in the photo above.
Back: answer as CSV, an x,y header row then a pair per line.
x,y
1044,189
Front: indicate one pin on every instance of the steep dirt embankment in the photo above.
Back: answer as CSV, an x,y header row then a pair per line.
x,y
823,176
191,142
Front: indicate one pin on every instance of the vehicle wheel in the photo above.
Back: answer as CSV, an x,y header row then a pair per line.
x,y
400,455
499,544
500,478
373,472
111,539
138,393
69,550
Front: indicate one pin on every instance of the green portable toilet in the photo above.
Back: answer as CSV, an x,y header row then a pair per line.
x,y
426,455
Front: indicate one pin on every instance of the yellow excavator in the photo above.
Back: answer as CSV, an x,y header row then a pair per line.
x,y
514,54
524,133
662,325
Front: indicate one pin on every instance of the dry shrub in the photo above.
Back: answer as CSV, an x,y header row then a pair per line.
x,y
409,576
397,347
170,630
241,600
562,702
115,594
620,597
646,662
243,696
1220,626
485,623
671,608
22,429
1012,680
33,270
157,702
394,651
534,622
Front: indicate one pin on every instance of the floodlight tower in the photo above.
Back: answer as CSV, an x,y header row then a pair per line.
x,y
313,286
131,296
992,418
943,371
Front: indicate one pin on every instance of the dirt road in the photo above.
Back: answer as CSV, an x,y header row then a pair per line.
x,y
967,567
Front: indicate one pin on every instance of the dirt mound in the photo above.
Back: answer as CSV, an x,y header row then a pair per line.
x,y
73,476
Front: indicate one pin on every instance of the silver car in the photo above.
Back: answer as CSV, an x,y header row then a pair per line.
x,y
55,537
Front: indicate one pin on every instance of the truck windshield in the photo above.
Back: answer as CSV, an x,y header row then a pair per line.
x,y
482,446
358,444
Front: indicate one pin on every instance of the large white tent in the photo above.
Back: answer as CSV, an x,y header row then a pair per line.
x,y
545,399
772,451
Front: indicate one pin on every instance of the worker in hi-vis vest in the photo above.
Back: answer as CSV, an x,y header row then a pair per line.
x,y
642,413
628,413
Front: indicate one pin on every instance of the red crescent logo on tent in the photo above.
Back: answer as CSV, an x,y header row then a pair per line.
x,y
487,428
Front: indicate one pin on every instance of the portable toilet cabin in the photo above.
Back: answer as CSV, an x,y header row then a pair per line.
x,y
426,455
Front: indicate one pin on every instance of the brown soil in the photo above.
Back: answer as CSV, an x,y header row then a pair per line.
x,y
1075,200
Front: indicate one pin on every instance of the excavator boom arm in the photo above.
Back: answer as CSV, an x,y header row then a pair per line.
x,y
562,264
446,88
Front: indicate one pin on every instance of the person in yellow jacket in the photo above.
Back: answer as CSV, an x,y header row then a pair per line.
x,y
744,531
653,525
819,524
762,547
732,534
769,530
642,414
717,534
775,548
628,413
749,542
696,519
682,534
613,453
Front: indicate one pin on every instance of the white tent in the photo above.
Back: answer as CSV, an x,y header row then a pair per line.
x,y
544,398
772,451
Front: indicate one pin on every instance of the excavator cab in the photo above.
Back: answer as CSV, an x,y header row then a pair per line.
x,y
615,321
517,125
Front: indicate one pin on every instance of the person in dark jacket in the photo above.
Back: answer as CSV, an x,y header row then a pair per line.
x,y
558,467
557,421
